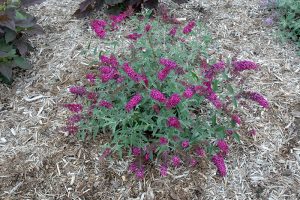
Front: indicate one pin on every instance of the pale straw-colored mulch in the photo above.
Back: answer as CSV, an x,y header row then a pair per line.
x,y
38,162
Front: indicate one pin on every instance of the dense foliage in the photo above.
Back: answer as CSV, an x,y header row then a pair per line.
x,y
287,13
162,98
290,19
115,5
15,27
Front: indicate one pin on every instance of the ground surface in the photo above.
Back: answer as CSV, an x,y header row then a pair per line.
x,y
38,162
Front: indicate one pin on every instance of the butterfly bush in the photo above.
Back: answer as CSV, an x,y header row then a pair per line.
x,y
161,98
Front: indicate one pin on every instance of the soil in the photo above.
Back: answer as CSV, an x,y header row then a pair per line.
x,y
38,161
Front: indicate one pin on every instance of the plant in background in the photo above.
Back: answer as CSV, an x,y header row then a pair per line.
x,y
162,98
290,19
287,12
114,6
117,6
15,26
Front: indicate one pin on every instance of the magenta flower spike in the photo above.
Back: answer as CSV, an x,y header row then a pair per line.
x,y
158,96
173,101
255,96
133,102
173,122
223,146
218,161
77,90
244,65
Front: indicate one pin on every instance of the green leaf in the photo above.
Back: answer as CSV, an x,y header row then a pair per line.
x,y
113,2
214,120
230,89
4,46
236,137
22,62
215,85
6,70
10,35
235,103
20,15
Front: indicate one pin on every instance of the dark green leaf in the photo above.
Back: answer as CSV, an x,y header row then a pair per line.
x,y
113,2
230,89
10,35
214,120
236,137
22,46
235,103
5,47
22,63
215,85
6,70
30,21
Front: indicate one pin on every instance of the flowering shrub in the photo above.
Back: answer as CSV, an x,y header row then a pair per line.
x,y
161,99
286,12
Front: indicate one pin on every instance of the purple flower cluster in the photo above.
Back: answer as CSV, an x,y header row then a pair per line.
x,y
162,74
72,129
136,151
139,172
173,122
99,27
173,31
147,27
74,107
189,27
134,36
218,161
111,61
176,161
158,96
131,73
200,152
163,140
244,65
92,96
173,101
219,66
255,96
169,65
185,144
213,70
188,93
105,104
108,73
236,119
163,170
91,78
223,146
133,102
116,19
74,119
77,90
193,162
212,96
